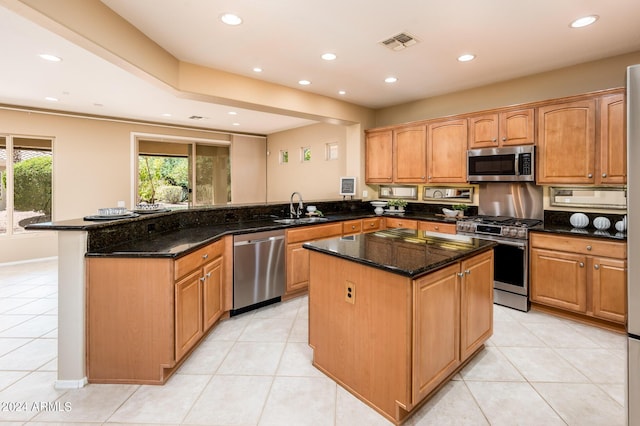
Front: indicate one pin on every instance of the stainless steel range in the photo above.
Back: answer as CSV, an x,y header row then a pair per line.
x,y
511,255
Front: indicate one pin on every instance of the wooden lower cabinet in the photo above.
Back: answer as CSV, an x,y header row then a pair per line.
x,y
144,315
571,274
399,222
444,228
396,340
297,260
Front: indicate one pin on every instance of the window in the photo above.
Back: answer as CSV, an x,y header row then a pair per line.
x,y
25,182
180,173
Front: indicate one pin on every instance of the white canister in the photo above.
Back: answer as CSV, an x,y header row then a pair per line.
x,y
601,223
579,220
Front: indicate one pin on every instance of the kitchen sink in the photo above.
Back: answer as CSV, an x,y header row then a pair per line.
x,y
294,221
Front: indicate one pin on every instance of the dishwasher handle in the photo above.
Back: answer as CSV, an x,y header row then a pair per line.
x,y
257,241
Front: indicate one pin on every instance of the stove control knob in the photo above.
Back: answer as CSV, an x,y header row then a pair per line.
x,y
513,232
522,233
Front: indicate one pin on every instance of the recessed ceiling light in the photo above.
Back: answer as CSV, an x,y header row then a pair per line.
x,y
584,21
257,69
51,99
466,57
232,113
98,104
231,19
166,114
390,79
341,92
51,58
329,56
304,82
236,124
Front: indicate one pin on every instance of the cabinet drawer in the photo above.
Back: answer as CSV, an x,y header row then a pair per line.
x,y
310,233
590,246
446,228
198,258
352,227
372,224
397,222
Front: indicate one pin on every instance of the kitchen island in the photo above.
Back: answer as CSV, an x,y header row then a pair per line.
x,y
394,314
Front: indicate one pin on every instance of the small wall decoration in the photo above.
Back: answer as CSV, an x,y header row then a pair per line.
x,y
305,154
284,157
348,186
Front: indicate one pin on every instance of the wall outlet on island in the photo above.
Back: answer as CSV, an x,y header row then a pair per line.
x,y
365,194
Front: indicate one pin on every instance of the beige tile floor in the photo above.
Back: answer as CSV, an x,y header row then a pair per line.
x,y
255,369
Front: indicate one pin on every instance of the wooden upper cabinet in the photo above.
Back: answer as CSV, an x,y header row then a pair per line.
x,y
483,131
447,151
379,157
410,159
566,143
517,127
613,143
502,129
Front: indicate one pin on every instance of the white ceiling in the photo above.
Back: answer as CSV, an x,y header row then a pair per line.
x,y
286,38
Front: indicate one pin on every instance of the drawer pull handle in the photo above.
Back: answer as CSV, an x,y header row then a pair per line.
x,y
372,224
204,256
353,227
596,266
582,264
436,228
589,248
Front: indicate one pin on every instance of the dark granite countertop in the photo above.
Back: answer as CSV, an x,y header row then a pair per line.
x,y
401,251
610,234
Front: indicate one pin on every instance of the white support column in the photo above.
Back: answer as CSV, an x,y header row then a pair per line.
x,y
72,246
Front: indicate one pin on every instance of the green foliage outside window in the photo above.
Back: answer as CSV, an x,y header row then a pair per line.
x,y
32,185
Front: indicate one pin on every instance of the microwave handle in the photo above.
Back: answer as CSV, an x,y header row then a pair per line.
x,y
517,165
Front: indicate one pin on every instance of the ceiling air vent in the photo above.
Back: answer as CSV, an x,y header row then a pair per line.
x,y
399,41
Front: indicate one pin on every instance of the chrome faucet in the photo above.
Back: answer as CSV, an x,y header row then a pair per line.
x,y
293,211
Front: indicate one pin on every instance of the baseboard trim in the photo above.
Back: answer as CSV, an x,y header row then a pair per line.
x,y
71,384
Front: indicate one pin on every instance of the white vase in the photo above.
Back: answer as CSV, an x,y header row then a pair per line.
x,y
378,210
601,223
579,220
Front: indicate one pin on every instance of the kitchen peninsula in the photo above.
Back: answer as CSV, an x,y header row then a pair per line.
x,y
394,314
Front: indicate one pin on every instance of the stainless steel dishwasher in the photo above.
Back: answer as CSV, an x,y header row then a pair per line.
x,y
258,269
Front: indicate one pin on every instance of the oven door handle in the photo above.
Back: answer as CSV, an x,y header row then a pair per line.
x,y
522,244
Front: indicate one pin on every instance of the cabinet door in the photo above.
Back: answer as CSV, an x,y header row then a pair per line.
x,y
610,289
476,307
436,338
212,305
447,151
297,267
566,143
371,225
517,127
483,131
613,143
379,157
410,159
559,279
397,222
188,312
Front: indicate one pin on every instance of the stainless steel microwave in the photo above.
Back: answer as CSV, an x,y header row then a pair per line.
x,y
508,164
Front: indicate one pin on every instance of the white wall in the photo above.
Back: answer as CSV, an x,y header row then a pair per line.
x,y
318,179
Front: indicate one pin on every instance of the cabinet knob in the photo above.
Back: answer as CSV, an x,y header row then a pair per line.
x,y
460,274
208,275
590,175
353,227
504,139
467,271
422,177
596,266
582,264
494,140
202,279
589,248
372,224
204,256
604,175
436,227
429,177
